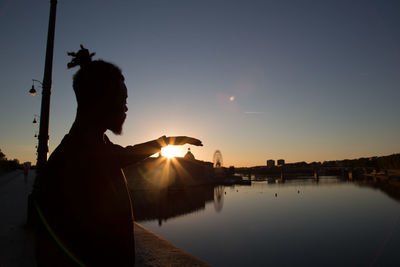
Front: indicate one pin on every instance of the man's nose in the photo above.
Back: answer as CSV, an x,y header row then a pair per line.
x,y
126,108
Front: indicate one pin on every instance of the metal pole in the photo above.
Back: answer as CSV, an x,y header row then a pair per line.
x,y
43,147
43,137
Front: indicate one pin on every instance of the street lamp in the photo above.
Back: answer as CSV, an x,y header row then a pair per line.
x,y
35,119
32,91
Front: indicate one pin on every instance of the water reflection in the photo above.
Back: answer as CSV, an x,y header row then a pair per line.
x,y
391,188
317,222
219,197
162,205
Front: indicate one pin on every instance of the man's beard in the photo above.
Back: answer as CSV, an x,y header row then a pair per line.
x,y
117,127
117,131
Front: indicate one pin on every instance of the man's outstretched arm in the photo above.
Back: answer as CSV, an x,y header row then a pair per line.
x,y
133,154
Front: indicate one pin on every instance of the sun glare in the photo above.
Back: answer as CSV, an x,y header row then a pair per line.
x,y
170,151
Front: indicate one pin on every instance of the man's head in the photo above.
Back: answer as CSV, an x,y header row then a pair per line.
x,y
101,92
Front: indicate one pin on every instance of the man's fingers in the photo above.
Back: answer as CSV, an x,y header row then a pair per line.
x,y
163,141
195,142
181,140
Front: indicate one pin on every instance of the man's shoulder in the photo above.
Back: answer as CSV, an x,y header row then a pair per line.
x,y
64,149
72,144
75,151
70,149
70,162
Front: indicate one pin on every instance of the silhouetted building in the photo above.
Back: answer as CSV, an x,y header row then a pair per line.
x,y
281,162
270,163
189,155
174,172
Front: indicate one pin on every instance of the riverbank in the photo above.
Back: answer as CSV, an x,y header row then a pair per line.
x,y
154,251
388,181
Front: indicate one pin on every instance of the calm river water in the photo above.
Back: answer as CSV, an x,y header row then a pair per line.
x,y
297,223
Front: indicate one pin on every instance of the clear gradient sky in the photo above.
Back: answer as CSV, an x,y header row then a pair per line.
x,y
310,80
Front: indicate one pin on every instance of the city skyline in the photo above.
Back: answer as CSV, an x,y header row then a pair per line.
x,y
257,81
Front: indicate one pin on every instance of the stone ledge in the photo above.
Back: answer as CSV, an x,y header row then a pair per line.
x,y
152,250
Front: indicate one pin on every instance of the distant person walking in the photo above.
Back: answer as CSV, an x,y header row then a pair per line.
x,y
82,198
26,172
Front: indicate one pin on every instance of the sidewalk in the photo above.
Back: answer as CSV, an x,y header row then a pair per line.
x,y
16,241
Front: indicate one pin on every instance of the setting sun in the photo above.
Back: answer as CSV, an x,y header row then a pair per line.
x,y
171,151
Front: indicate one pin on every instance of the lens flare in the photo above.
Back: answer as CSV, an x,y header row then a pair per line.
x,y
171,151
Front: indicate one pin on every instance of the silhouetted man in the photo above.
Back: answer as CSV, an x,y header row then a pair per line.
x,y
83,199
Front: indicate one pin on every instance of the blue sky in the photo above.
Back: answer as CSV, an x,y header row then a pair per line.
x,y
311,80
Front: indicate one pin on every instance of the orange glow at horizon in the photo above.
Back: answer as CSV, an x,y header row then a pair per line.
x,y
171,151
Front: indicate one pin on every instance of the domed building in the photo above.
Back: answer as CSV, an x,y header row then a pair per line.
x,y
189,155
181,172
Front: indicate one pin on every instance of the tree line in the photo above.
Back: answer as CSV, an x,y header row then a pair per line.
x,y
8,165
383,162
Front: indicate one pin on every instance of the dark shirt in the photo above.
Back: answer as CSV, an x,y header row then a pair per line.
x,y
84,197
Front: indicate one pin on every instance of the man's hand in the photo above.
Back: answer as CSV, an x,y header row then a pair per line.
x,y
178,140
136,153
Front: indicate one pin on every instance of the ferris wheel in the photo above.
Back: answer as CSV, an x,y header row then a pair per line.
x,y
217,159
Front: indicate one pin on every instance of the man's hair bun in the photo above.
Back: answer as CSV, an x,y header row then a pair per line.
x,y
81,58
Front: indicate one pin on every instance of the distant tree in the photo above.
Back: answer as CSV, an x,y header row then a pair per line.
x,y
13,164
8,165
389,162
231,170
2,156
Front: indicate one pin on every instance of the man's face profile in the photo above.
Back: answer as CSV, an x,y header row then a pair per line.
x,y
101,93
118,108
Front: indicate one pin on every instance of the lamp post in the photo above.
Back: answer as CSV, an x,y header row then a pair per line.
x,y
43,147
43,137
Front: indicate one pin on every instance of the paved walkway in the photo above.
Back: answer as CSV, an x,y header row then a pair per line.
x,y
16,241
